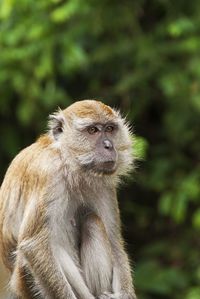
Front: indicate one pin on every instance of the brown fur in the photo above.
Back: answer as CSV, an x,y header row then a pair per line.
x,y
84,109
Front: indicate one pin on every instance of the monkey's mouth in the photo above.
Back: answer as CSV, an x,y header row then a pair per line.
x,y
101,168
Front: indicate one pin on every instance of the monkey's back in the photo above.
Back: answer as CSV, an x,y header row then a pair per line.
x,y
26,177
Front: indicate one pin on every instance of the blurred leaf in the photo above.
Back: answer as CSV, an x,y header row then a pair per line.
x,y
165,203
11,143
179,208
65,11
152,277
140,147
25,112
196,219
194,293
190,185
6,8
181,26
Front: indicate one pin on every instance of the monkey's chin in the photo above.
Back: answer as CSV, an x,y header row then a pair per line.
x,y
105,171
100,169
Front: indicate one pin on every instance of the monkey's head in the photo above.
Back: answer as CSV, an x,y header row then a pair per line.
x,y
92,138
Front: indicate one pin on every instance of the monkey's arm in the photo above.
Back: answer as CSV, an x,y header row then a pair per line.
x,y
35,248
122,278
51,281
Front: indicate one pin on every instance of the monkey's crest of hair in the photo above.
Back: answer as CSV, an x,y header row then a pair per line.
x,y
67,130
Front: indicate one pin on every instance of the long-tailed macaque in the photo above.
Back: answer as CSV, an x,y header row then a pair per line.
x,y
59,220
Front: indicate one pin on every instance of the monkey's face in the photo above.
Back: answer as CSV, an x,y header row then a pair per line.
x,y
99,155
94,138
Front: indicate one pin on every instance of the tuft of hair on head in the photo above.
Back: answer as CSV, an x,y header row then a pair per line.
x,y
56,123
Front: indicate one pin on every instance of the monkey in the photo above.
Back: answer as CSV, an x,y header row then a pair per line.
x,y
60,227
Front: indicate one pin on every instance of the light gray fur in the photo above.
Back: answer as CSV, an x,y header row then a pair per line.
x,y
99,268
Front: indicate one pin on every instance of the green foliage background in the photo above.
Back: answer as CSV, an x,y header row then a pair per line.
x,y
144,58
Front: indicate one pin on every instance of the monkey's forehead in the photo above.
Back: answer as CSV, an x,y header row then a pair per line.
x,y
90,109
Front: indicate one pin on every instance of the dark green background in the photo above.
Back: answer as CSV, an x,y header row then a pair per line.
x,y
142,57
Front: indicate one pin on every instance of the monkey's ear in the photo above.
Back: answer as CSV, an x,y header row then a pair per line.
x,y
56,124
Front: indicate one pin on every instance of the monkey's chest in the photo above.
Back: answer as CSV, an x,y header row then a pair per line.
x,y
75,223
73,233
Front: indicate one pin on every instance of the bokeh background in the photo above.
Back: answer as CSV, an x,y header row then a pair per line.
x,y
142,57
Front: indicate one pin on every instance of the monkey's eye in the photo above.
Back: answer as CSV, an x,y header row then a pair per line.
x,y
92,130
59,130
109,129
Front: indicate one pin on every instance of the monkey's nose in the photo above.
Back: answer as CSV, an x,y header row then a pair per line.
x,y
107,144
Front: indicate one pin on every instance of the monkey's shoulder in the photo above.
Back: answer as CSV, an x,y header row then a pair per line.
x,y
35,162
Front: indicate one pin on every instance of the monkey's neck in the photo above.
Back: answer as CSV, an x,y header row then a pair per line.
x,y
90,181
